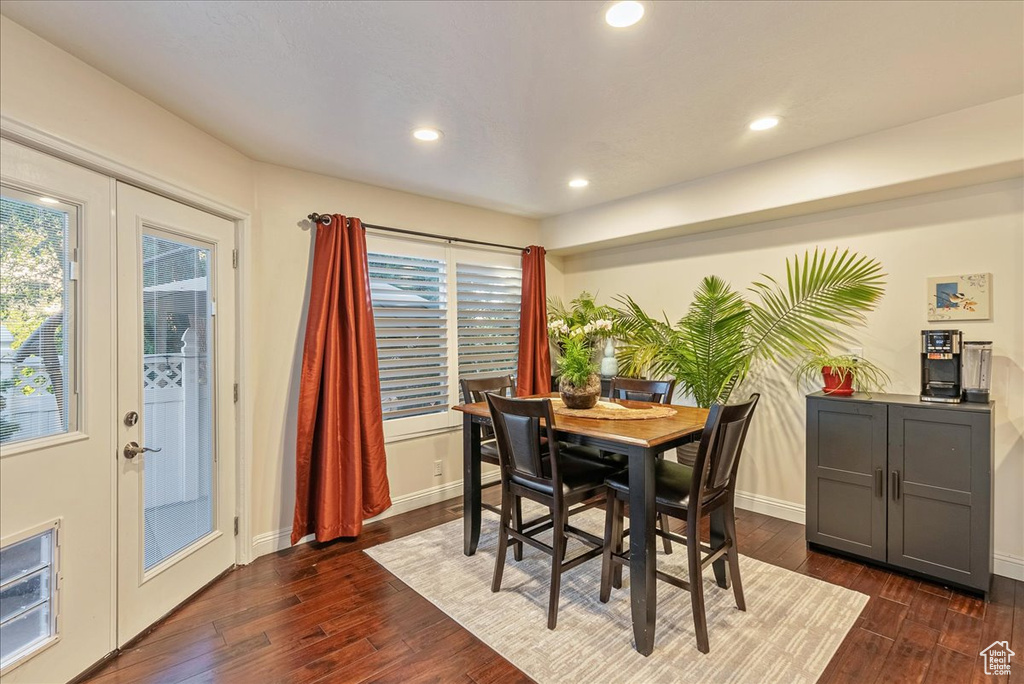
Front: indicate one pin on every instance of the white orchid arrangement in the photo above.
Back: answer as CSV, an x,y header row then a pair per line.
x,y
575,330
563,328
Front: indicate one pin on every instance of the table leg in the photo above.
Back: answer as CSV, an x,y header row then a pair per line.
x,y
642,583
717,538
470,484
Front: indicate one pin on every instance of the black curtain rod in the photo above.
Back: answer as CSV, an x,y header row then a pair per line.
x,y
325,219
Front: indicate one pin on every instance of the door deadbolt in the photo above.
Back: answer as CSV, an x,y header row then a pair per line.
x,y
131,418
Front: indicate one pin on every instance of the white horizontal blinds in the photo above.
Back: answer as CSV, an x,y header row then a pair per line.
x,y
410,313
488,318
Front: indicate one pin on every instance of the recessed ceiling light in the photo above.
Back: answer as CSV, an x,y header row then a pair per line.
x,y
579,183
427,134
48,200
623,14
765,123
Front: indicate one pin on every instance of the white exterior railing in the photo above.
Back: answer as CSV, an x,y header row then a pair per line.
x,y
175,418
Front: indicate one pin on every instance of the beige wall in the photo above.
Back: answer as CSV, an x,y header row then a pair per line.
x,y
969,230
281,265
46,88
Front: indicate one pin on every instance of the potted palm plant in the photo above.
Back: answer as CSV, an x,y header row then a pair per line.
x,y
842,374
576,331
713,347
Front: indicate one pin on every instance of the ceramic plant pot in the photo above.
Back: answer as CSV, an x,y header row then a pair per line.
x,y
580,397
835,383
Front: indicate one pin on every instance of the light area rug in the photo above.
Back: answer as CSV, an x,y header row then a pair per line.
x,y
791,628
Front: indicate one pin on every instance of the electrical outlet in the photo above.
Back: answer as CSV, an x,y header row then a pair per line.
x,y
856,351
437,468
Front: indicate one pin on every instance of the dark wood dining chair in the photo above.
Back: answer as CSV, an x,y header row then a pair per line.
x,y
690,494
474,390
637,389
563,483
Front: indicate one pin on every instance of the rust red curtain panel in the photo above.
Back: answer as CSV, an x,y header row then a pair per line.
x,y
341,471
534,373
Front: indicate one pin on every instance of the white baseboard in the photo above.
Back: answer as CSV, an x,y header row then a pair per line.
x,y
269,542
1004,565
777,508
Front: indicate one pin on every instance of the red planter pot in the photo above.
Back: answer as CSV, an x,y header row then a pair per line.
x,y
836,384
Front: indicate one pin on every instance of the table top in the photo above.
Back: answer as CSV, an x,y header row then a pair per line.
x,y
650,432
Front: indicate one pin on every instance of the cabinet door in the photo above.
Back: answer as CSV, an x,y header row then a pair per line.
x,y
939,502
846,487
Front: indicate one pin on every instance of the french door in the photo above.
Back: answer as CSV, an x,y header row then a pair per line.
x,y
56,417
176,428
117,430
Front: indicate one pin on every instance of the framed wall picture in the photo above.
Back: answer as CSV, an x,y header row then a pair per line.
x,y
960,298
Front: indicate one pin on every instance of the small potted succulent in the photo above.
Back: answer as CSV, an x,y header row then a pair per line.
x,y
842,374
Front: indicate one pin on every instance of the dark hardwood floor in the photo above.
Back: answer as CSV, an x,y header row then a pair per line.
x,y
328,613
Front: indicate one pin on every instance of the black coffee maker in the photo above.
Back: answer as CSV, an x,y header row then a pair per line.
x,y
940,365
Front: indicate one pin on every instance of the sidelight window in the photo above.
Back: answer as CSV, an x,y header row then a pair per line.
x,y
38,264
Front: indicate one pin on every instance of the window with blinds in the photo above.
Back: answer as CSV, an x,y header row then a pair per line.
x,y
410,313
488,300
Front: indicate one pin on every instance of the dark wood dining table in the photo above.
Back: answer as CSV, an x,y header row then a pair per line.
x,y
641,441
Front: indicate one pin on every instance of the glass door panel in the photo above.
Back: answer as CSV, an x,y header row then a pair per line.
x,y
38,246
177,372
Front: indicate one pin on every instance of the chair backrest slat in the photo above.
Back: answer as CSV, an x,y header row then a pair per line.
x,y
636,389
721,444
518,430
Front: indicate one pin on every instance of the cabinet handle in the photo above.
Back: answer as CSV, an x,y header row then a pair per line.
x,y
892,485
879,482
895,482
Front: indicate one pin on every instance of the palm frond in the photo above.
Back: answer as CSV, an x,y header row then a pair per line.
x,y
711,349
826,291
715,330
643,338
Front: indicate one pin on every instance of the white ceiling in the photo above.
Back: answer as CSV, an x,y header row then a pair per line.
x,y
531,94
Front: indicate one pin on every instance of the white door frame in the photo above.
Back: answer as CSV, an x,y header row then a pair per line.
x,y
61,148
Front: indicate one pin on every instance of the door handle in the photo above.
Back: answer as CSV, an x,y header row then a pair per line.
x,y
879,482
132,449
895,481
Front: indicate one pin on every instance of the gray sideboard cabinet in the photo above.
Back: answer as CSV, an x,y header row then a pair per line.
x,y
903,483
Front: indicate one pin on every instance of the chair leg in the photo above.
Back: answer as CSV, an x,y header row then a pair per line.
x,y
558,544
499,562
619,507
734,555
666,543
700,618
609,544
517,512
663,523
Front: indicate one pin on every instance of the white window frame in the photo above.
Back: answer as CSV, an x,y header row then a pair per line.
x,y
73,312
56,580
400,429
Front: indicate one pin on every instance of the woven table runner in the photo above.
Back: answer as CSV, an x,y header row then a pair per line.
x,y
606,410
